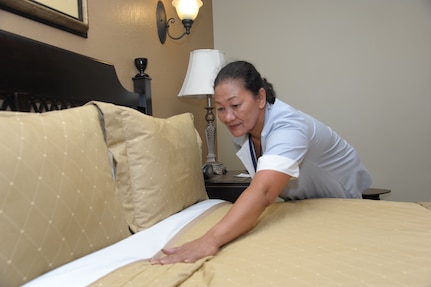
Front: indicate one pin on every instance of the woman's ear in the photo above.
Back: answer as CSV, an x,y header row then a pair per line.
x,y
261,97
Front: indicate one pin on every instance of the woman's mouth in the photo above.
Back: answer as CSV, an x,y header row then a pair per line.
x,y
234,127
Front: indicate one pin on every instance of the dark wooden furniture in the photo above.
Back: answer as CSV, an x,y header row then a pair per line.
x,y
229,187
374,193
38,77
142,86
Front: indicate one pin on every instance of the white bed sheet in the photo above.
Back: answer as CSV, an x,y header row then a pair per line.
x,y
142,245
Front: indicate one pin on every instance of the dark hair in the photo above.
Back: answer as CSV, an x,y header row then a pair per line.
x,y
251,78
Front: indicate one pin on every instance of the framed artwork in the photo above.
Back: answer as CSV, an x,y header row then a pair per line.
x,y
68,15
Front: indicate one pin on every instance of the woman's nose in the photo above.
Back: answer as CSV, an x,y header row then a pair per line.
x,y
228,116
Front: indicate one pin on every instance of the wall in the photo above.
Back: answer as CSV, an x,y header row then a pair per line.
x,y
123,30
362,67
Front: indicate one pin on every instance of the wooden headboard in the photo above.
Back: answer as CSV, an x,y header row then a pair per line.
x,y
38,77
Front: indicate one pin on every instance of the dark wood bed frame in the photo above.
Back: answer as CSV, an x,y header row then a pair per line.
x,y
37,77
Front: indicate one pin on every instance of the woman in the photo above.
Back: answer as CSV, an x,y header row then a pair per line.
x,y
288,153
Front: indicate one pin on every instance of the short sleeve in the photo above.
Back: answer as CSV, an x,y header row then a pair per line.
x,y
278,163
285,140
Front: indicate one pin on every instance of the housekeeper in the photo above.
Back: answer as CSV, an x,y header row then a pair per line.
x,y
288,153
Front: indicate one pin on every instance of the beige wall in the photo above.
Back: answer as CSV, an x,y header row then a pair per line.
x,y
362,67
123,30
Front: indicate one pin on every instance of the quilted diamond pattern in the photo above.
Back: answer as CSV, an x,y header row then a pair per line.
x,y
147,152
58,200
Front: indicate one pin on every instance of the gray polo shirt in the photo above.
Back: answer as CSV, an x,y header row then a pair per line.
x,y
321,163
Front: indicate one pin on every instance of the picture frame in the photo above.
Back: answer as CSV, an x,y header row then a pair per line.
x,y
64,15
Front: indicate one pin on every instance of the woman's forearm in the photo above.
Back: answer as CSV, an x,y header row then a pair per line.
x,y
245,212
241,218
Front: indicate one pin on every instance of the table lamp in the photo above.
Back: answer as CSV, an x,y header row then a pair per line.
x,y
204,64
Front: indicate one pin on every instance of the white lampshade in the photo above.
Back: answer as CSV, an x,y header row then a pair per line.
x,y
204,64
187,9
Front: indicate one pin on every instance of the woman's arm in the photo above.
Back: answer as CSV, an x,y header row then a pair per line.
x,y
263,190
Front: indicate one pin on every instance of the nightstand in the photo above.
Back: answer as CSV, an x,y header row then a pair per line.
x,y
227,186
374,193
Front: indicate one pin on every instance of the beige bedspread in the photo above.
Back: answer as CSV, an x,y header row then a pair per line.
x,y
319,242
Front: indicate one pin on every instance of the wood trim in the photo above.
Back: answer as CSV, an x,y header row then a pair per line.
x,y
52,17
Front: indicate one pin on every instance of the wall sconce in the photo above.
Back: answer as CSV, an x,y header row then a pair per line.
x,y
187,11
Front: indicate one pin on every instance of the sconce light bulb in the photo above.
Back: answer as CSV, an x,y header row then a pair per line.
x,y
187,9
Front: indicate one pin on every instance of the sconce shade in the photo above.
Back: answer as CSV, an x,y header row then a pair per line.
x,y
187,9
204,64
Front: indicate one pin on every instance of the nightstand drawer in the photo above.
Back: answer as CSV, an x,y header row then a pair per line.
x,y
374,193
226,192
227,186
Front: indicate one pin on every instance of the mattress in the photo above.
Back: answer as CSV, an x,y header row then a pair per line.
x,y
317,242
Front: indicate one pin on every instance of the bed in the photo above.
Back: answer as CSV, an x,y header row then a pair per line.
x,y
317,242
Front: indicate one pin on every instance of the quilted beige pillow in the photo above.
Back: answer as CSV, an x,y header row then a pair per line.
x,y
158,163
58,200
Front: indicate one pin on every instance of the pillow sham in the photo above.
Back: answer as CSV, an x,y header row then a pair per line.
x,y
58,200
157,163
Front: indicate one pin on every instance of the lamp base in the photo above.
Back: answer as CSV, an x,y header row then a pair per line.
x,y
217,167
210,133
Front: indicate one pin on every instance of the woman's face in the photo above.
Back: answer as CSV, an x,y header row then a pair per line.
x,y
238,109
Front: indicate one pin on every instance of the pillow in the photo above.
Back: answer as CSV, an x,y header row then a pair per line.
x,y
58,200
158,163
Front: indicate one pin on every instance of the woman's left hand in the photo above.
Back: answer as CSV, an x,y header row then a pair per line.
x,y
189,252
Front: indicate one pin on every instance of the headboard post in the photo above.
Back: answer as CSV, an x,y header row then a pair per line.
x,y
142,86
